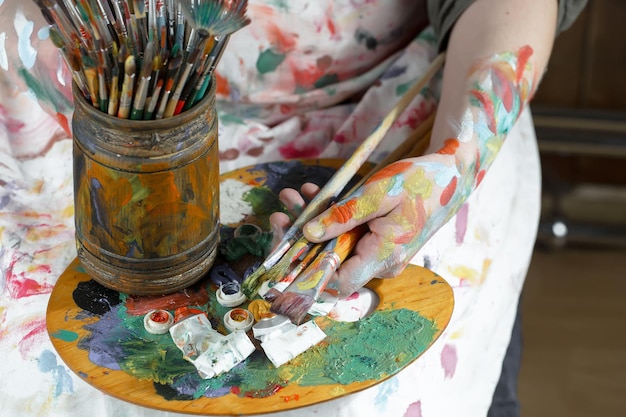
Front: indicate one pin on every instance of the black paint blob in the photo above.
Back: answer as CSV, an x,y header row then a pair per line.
x,y
95,298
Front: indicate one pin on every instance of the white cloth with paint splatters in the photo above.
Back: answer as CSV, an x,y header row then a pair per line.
x,y
283,88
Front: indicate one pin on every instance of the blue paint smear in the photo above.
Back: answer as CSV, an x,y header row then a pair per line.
x,y
62,378
385,389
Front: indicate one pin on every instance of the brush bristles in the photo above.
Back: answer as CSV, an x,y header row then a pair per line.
x,y
250,286
220,18
294,306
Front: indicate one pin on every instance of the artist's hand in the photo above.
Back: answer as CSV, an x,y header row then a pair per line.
x,y
394,203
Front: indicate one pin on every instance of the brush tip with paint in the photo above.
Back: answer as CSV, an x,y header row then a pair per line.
x,y
292,305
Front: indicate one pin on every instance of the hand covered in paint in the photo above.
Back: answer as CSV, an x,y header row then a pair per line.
x,y
402,205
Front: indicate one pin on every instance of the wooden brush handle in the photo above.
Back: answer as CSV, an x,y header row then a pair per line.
x,y
345,243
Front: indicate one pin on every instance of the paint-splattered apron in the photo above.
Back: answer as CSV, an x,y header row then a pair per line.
x,y
285,85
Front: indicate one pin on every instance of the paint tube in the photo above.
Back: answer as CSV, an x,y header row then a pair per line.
x,y
285,341
208,350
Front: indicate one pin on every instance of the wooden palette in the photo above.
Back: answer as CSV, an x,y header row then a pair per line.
x,y
417,291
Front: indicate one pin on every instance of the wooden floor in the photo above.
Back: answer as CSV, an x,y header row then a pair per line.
x,y
574,321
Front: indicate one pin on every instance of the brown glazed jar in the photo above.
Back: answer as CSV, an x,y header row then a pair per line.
x,y
146,197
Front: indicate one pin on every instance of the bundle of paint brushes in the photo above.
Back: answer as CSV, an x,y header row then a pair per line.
x,y
142,59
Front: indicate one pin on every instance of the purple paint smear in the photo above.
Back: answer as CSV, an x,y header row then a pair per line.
x,y
102,353
448,360
414,410
461,223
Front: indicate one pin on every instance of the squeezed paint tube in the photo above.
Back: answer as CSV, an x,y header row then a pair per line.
x,y
286,341
209,351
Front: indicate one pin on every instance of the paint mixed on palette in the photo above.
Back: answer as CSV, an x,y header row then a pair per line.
x,y
100,333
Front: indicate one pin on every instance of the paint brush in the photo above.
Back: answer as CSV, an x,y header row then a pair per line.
x,y
186,84
114,99
139,9
154,80
211,62
72,60
91,75
151,105
253,282
173,67
128,86
59,16
283,282
139,101
186,71
300,295
338,181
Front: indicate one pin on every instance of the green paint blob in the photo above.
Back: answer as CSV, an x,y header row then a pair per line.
x,y
268,61
263,202
375,347
65,335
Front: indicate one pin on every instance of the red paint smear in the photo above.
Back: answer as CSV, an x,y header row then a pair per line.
x,y
331,26
35,334
290,151
414,410
140,305
222,87
479,177
487,106
340,138
449,147
523,56
286,108
306,77
448,360
19,286
448,192
283,42
64,123
415,116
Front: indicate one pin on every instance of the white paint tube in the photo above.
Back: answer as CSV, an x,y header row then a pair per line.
x,y
283,346
208,350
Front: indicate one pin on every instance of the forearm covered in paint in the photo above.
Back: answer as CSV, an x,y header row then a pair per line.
x,y
497,91
497,52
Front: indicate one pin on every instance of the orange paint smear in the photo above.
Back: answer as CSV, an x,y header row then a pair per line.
x,y
389,171
342,213
141,305
450,146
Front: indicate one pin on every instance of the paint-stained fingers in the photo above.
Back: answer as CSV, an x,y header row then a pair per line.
x,y
375,255
294,203
292,200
